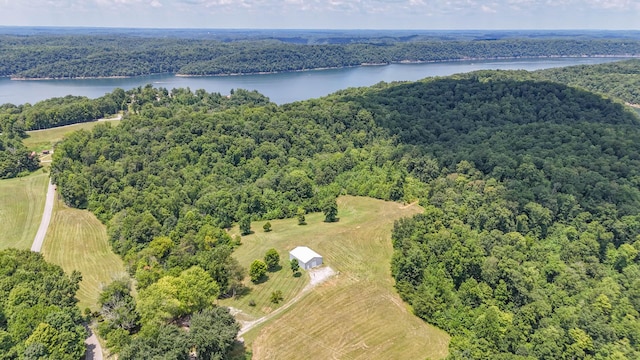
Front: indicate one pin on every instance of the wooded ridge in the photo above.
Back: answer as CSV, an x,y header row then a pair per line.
x,y
528,245
89,56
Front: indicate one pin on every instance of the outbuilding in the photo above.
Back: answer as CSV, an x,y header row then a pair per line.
x,y
307,258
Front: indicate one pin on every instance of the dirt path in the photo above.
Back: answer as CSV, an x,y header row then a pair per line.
x,y
46,218
318,276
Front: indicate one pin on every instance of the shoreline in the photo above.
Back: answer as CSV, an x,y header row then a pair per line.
x,y
624,56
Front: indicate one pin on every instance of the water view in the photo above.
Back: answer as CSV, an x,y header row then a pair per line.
x,y
280,88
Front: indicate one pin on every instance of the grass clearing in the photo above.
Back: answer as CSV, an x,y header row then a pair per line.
x,y
77,240
355,315
21,205
39,140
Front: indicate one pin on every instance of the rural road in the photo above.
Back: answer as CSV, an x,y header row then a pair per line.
x,y
94,350
46,218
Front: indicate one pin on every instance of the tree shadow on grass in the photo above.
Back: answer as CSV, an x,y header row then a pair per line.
x,y
239,351
276,268
262,279
297,274
240,292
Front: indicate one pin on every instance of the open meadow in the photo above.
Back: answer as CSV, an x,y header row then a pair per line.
x,y
356,314
77,240
21,204
39,140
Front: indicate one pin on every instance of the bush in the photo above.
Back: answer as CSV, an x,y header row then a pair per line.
x,y
276,297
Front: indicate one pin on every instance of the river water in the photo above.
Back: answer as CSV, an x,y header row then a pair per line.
x,y
280,88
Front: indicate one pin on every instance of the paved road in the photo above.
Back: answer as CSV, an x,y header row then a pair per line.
x,y
46,218
94,351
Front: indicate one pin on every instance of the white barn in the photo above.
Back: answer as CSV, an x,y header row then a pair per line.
x,y
307,258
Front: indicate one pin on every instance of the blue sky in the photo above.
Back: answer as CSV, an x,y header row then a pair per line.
x,y
330,14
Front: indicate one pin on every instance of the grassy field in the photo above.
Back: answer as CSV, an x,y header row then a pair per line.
x,y
21,205
39,140
355,315
76,240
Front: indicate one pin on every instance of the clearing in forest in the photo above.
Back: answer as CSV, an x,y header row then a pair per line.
x,y
356,314
77,240
39,140
21,204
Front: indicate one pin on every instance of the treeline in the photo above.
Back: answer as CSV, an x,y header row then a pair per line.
x,y
620,80
63,111
15,158
39,318
77,56
527,248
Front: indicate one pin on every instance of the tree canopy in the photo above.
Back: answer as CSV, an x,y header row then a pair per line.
x,y
39,316
528,246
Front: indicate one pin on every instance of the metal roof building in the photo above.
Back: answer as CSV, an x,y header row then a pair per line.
x,y
307,258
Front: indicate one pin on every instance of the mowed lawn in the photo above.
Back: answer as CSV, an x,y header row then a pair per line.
x,y
39,140
77,240
355,315
21,205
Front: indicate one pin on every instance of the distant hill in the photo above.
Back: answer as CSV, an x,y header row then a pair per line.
x,y
60,53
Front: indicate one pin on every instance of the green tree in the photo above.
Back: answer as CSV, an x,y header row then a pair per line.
x,y
267,226
330,209
245,225
212,333
272,259
257,270
117,308
300,216
295,266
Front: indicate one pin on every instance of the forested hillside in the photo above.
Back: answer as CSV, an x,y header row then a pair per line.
x,y
80,56
619,80
15,158
527,248
39,318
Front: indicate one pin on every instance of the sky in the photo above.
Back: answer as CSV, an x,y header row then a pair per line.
x,y
329,14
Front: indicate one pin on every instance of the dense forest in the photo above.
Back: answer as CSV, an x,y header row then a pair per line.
x,y
79,56
527,248
39,318
15,158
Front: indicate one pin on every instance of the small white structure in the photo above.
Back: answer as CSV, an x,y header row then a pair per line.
x,y
307,258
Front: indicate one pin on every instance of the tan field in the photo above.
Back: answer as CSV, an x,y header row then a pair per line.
x,y
356,314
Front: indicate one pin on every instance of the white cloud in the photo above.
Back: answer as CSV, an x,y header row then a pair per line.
x,y
326,13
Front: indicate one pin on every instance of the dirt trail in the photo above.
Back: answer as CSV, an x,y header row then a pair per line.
x,y
318,276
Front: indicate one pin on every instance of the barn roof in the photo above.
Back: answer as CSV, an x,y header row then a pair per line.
x,y
304,254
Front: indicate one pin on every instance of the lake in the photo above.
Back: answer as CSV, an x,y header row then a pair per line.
x,y
280,88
